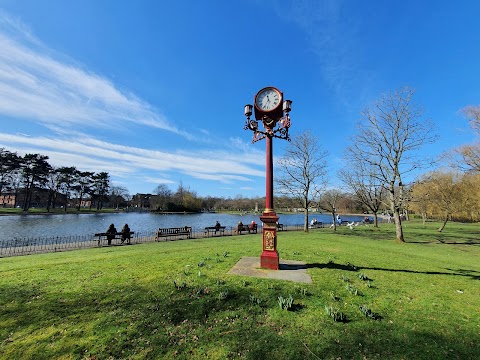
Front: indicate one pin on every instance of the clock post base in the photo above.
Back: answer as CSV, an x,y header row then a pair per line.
x,y
270,260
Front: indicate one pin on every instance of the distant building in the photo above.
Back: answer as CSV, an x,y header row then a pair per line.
x,y
7,200
141,201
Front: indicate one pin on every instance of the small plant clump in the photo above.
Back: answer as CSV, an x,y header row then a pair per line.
x,y
201,291
352,267
201,264
302,291
352,290
225,254
285,303
180,285
335,314
335,297
369,313
255,300
223,295
346,279
363,277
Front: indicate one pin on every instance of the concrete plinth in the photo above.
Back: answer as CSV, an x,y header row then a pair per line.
x,y
290,270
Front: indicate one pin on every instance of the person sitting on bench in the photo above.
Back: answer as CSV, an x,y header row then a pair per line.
x,y
111,232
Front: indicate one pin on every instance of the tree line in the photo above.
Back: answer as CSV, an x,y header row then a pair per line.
x,y
32,175
385,151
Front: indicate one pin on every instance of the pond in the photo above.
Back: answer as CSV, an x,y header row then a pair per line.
x,y
31,226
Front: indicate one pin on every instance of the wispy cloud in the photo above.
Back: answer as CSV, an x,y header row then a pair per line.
x,y
94,155
333,38
36,86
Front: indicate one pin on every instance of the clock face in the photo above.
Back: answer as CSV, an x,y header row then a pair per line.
x,y
268,99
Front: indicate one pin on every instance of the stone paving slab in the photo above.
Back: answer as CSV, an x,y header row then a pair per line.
x,y
290,270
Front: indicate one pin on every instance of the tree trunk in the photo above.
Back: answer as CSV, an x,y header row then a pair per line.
x,y
80,198
424,218
375,219
334,221
398,226
440,229
305,221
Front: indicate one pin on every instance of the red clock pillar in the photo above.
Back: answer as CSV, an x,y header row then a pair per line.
x,y
273,111
269,258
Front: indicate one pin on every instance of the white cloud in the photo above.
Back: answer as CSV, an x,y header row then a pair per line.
x,y
90,154
35,86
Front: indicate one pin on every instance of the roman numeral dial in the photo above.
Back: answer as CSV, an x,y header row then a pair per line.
x,y
268,99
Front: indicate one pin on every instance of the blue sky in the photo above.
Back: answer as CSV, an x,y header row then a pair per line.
x,y
153,91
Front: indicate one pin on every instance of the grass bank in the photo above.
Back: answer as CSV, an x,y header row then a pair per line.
x,y
419,300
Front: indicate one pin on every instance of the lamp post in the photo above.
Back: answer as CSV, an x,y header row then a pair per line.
x,y
273,112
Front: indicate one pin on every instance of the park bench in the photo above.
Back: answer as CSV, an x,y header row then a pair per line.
x,y
214,229
280,227
317,225
119,235
172,232
249,228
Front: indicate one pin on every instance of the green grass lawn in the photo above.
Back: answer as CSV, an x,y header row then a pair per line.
x,y
176,300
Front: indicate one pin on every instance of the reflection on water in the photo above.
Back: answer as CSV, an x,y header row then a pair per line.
x,y
85,224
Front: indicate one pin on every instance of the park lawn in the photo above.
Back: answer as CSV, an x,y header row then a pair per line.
x,y
176,300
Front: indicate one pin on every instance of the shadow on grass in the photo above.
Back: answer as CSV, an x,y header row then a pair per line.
x,y
191,324
419,235
473,274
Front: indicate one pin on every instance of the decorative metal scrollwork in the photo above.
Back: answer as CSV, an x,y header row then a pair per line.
x,y
269,124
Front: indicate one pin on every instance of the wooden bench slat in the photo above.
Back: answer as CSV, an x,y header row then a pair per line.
x,y
118,235
214,229
165,232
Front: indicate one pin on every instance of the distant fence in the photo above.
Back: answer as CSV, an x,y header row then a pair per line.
x,y
37,245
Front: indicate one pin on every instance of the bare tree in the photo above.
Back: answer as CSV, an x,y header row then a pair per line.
x,y
301,171
328,202
162,195
363,180
388,138
472,113
469,154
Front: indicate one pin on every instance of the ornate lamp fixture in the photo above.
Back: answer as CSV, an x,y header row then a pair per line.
x,y
268,110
